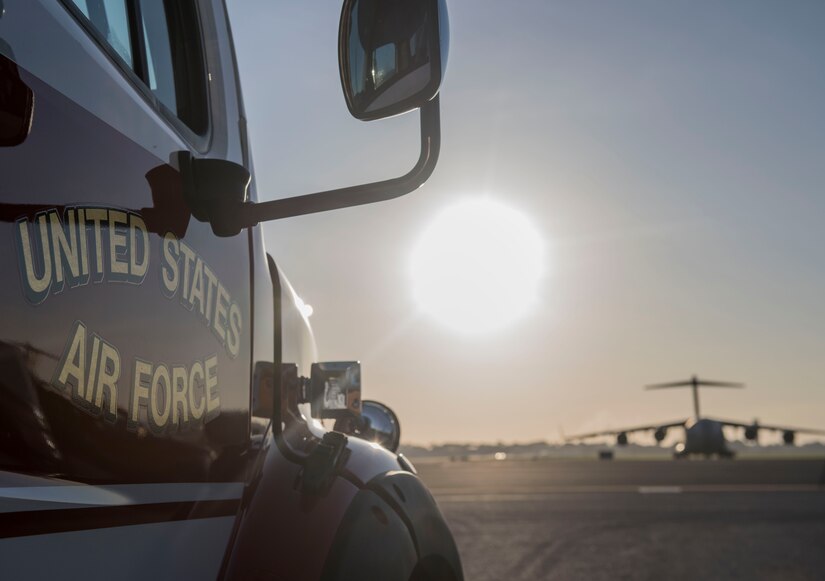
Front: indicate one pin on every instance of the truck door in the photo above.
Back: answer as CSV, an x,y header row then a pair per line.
x,y
125,334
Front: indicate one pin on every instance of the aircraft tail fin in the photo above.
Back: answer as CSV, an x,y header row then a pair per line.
x,y
695,383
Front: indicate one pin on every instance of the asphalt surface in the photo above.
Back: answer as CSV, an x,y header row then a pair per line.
x,y
582,519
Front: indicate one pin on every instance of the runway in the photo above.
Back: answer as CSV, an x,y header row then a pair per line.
x,y
626,519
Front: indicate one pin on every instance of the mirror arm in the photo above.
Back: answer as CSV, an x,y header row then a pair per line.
x,y
251,213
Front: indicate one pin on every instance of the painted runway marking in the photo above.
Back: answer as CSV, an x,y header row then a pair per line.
x,y
474,495
660,490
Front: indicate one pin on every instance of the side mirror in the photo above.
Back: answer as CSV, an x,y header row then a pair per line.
x,y
391,55
335,390
380,424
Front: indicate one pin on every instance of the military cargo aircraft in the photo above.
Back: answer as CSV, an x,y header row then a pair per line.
x,y
703,436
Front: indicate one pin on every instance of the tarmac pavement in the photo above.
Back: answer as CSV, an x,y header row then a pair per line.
x,y
625,519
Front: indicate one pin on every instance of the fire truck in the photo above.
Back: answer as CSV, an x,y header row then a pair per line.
x,y
162,411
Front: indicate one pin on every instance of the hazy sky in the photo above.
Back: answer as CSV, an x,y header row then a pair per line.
x,y
672,157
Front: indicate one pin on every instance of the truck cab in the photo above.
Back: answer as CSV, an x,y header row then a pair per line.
x,y
158,377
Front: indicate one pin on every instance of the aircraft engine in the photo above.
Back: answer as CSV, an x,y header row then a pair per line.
x,y
660,434
788,437
621,439
751,432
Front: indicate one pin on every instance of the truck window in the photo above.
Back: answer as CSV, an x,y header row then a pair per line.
x,y
160,43
110,20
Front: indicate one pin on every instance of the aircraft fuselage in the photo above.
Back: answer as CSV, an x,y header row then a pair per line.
x,y
704,436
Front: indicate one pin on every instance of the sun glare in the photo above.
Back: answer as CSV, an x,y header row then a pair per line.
x,y
477,266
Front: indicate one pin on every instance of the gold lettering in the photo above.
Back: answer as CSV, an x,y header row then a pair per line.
x,y
138,267
63,246
196,379
197,285
74,361
170,272
140,390
37,284
211,282
117,240
84,242
90,381
179,389
161,393
233,338
213,397
220,313
107,379
96,216
188,256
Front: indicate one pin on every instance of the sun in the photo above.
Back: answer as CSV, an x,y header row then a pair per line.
x,y
477,266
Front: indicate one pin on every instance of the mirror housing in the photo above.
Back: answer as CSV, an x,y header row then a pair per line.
x,y
391,55
335,390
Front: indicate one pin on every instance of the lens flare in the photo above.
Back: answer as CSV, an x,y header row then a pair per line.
x,y
477,266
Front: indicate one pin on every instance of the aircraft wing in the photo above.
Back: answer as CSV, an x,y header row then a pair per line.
x,y
769,427
734,424
695,382
616,432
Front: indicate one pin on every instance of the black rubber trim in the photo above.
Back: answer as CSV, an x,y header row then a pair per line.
x,y
42,522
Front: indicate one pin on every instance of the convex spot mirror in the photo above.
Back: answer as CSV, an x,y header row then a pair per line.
x,y
392,54
380,424
335,390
